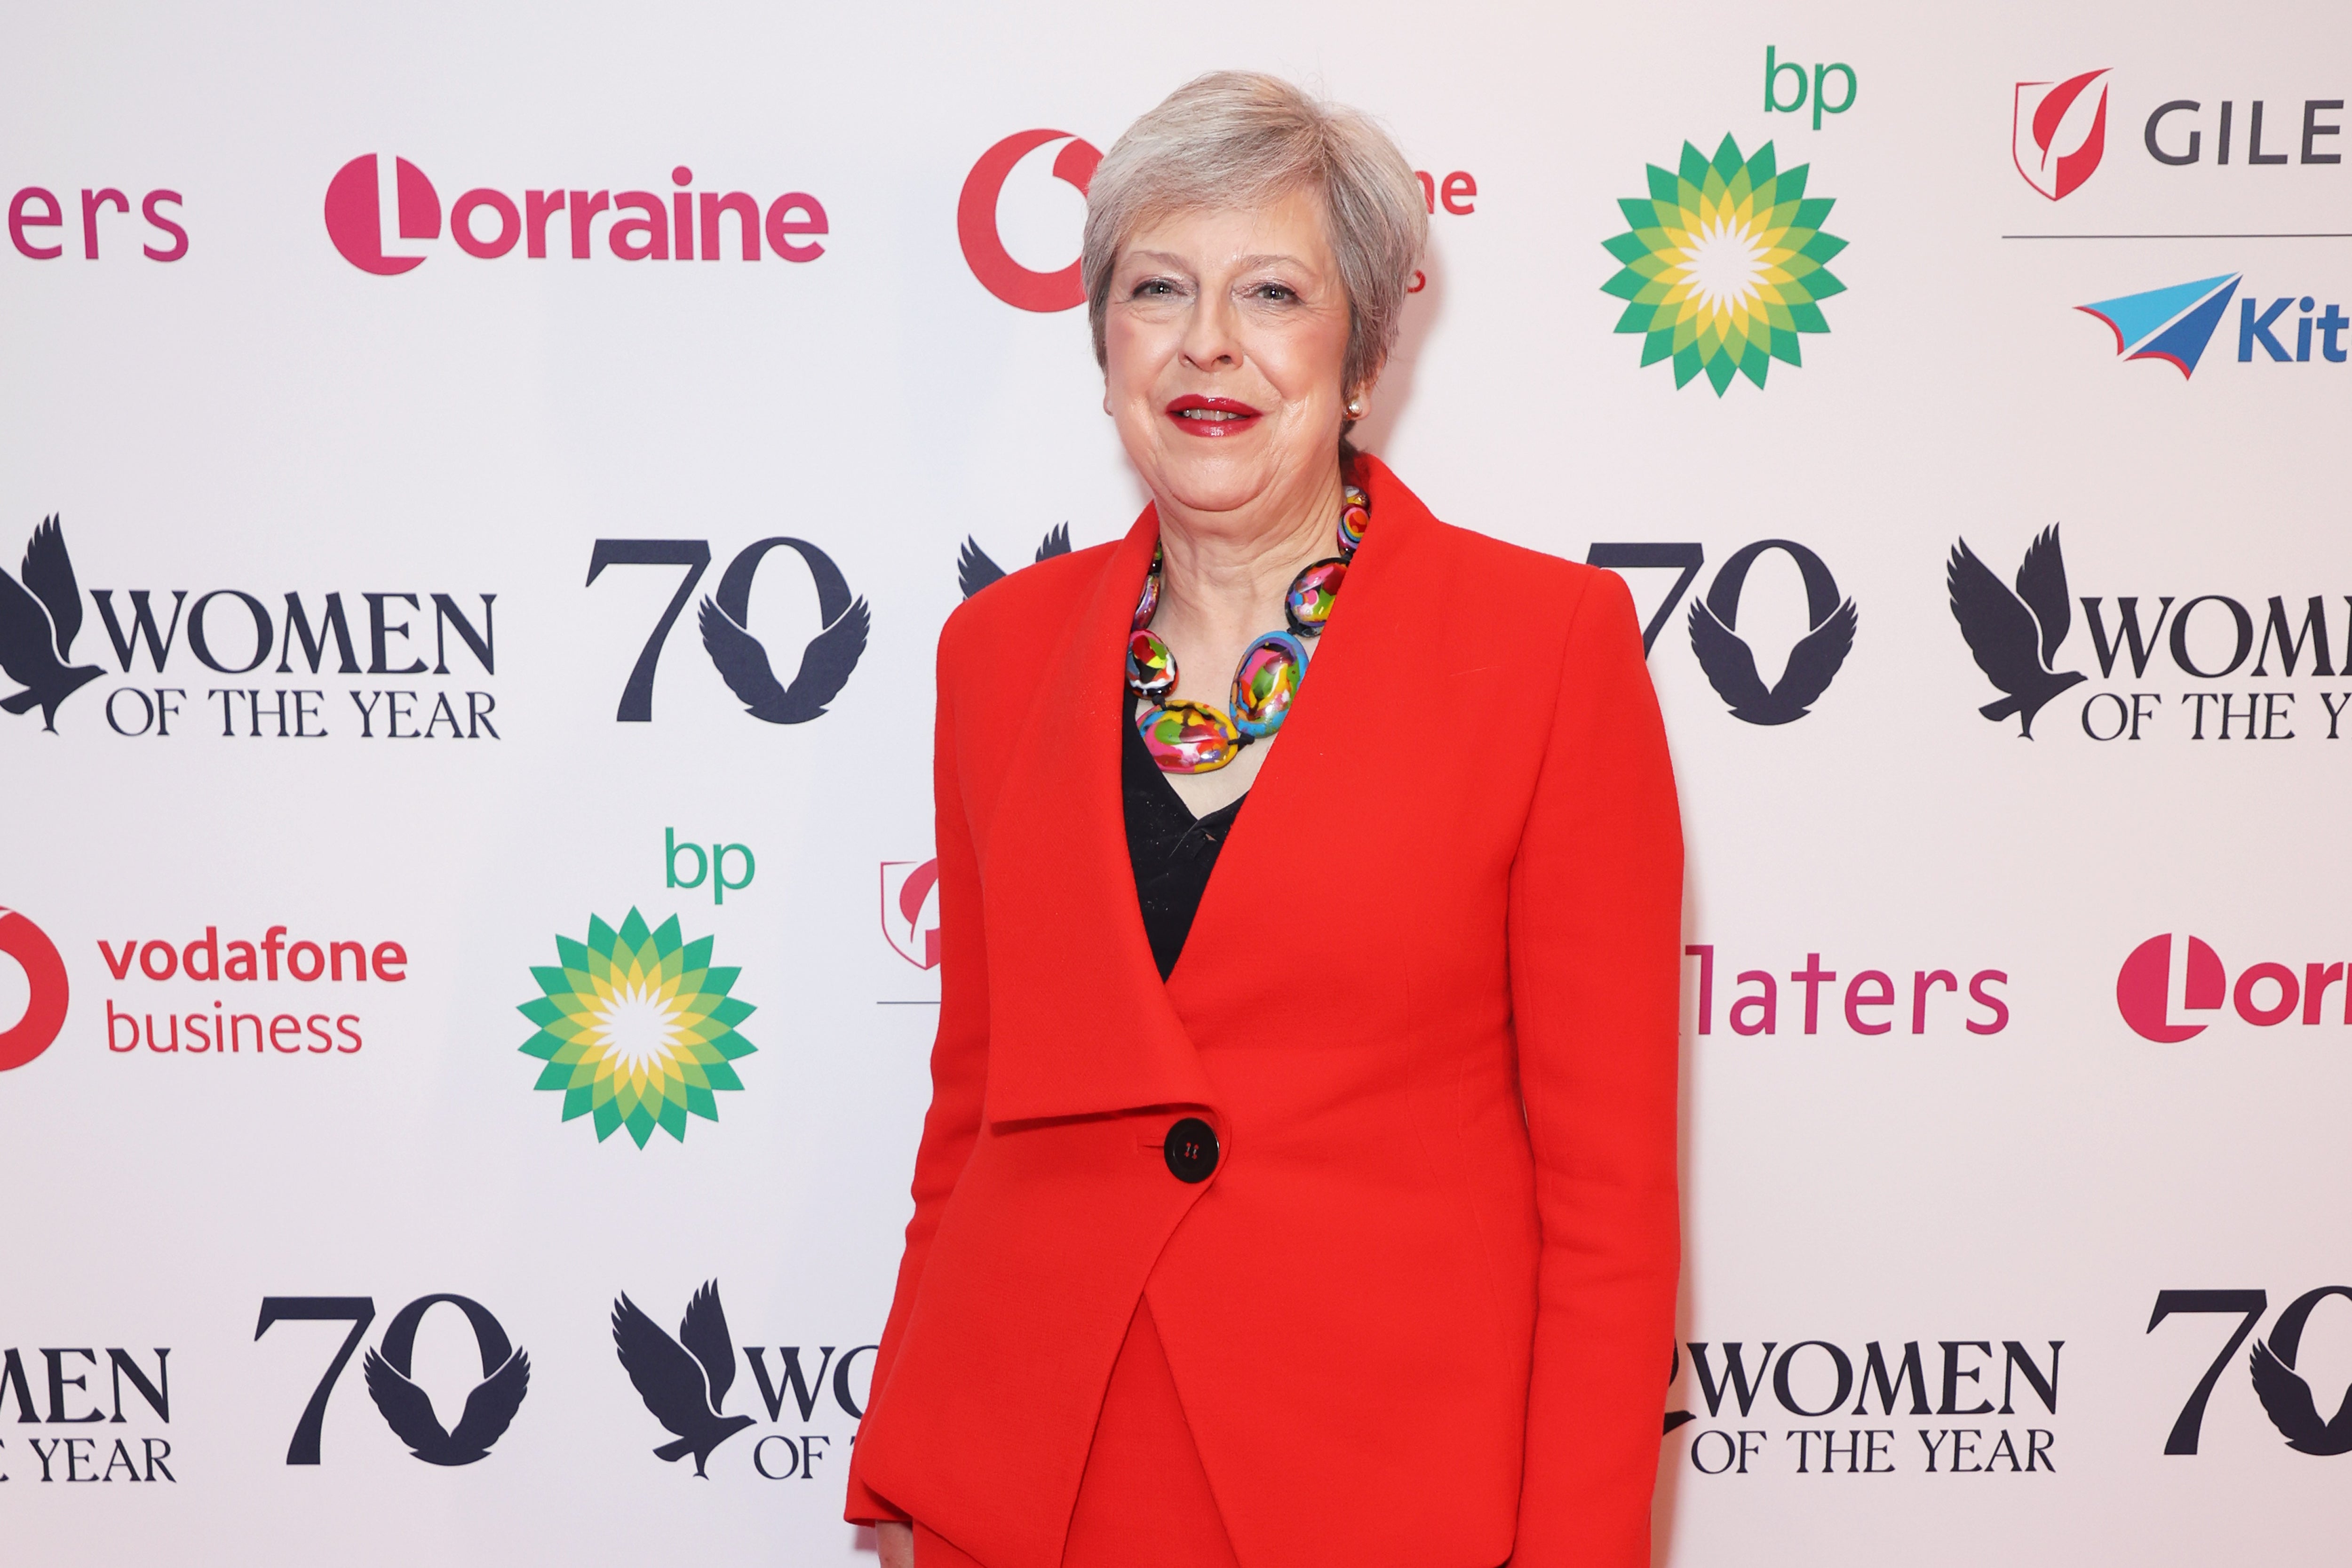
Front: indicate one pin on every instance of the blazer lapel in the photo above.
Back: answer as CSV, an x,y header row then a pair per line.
x,y
1338,726
1079,1022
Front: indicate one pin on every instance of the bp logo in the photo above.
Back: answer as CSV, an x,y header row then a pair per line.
x,y
636,1028
1725,265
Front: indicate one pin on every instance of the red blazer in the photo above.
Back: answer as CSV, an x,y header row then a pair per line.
x,y
1422,1312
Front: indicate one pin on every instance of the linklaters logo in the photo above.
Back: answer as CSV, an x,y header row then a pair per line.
x,y
1725,265
636,1028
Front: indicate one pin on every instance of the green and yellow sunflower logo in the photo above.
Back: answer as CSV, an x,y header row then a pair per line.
x,y
636,1028
1724,264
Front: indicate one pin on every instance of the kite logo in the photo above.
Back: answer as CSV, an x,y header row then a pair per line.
x,y
1724,264
45,991
911,910
2060,132
2170,324
636,1026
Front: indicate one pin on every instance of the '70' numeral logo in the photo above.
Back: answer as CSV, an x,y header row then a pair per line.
x,y
2287,1397
724,620
406,1408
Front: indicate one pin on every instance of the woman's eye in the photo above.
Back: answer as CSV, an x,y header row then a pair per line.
x,y
1280,292
1154,287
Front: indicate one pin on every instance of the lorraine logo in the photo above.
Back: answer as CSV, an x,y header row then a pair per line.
x,y
40,615
2265,995
488,224
683,1381
2059,132
636,1028
355,213
1725,265
45,991
911,910
2170,324
983,246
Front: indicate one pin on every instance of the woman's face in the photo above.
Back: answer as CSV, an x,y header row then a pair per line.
x,y
1223,345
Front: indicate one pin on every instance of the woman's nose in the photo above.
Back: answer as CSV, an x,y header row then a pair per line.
x,y
1209,336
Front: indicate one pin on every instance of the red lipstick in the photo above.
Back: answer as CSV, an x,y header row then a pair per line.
x,y
1215,418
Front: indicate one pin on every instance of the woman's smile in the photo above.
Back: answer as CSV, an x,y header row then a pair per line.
x,y
1211,416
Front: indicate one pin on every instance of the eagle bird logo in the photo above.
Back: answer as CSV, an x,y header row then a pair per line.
x,y
40,615
743,658
683,1381
408,1410
975,571
2015,635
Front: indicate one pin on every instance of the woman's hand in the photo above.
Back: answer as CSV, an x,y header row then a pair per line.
x,y
897,1544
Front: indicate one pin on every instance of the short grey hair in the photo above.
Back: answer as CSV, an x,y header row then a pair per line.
x,y
1242,139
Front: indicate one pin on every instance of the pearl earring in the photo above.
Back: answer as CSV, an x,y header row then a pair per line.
x,y
1355,408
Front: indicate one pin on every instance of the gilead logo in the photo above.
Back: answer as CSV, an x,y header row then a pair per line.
x,y
911,910
2265,993
2058,132
983,246
44,987
487,224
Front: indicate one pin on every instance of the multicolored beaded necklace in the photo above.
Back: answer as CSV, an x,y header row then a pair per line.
x,y
1188,737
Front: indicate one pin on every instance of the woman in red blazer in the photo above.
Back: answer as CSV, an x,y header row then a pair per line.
x,y
1353,1239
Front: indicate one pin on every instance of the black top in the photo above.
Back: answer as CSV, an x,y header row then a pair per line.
x,y
1173,851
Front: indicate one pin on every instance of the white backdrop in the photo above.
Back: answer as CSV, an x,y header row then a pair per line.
x,y
259,415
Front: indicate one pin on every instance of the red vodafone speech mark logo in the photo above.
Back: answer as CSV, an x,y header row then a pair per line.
x,y
983,249
2141,983
355,216
45,1008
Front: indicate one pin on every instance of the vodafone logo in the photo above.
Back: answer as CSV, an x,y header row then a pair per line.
x,y
678,224
983,245
2266,994
45,991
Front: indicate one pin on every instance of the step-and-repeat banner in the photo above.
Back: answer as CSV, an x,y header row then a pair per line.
x,y
479,491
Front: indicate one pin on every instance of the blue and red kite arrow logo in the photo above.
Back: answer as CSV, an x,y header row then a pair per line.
x,y
2170,324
